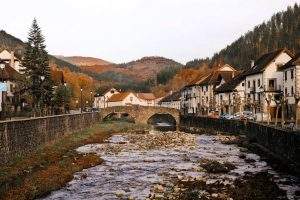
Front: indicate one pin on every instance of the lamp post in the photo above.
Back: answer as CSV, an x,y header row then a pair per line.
x,y
42,92
81,99
91,99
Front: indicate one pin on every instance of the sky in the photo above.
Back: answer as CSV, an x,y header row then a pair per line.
x,y
125,30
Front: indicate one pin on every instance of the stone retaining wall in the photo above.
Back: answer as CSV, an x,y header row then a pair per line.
x,y
21,136
282,143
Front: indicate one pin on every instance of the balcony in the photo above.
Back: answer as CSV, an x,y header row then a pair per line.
x,y
273,88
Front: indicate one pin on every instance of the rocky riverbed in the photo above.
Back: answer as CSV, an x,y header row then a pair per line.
x,y
176,165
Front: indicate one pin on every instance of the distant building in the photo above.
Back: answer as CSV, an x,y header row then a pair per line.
x,y
171,101
101,100
264,82
198,97
147,99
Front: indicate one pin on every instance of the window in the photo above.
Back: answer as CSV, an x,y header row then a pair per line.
x,y
206,99
131,98
285,75
285,91
258,82
206,88
221,97
243,84
254,84
248,84
272,84
292,74
292,91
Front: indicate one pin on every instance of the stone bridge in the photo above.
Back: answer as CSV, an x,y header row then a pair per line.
x,y
140,114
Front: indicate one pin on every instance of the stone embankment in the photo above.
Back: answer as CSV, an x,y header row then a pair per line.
x,y
18,137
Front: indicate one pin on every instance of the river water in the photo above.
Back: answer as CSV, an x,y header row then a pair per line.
x,y
139,166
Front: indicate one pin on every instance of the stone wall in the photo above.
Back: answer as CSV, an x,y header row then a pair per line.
x,y
282,143
21,136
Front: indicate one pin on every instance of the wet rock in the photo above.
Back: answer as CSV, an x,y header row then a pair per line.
x,y
213,166
257,186
120,193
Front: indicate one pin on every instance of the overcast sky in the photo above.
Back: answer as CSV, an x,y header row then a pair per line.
x,y
124,30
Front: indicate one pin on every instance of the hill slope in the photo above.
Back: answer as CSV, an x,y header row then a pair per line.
x,y
139,70
83,61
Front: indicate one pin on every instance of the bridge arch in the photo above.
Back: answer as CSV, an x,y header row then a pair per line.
x,y
141,114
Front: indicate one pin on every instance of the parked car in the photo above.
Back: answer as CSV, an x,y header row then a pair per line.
x,y
226,116
248,115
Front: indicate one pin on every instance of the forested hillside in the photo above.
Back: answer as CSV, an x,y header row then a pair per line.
x,y
281,31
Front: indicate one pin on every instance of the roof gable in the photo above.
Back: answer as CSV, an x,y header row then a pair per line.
x,y
292,63
263,62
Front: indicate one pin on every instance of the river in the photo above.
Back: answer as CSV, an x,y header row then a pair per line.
x,y
149,166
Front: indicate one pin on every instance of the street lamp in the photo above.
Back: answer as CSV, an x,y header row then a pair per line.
x,y
81,99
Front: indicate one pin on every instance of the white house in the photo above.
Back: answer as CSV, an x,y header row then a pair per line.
x,y
124,99
9,58
171,101
100,100
291,85
264,81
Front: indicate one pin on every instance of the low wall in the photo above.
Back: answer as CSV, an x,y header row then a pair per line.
x,y
282,143
21,136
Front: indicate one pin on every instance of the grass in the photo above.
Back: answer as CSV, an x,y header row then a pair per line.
x,y
51,166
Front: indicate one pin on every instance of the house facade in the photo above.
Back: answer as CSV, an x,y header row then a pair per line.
x,y
198,97
264,82
101,100
291,86
230,96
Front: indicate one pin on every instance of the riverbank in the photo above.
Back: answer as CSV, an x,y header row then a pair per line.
x,y
53,165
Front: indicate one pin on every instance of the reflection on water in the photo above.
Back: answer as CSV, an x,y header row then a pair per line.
x,y
136,164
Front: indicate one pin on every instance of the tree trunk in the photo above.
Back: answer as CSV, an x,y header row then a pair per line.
x,y
276,118
269,114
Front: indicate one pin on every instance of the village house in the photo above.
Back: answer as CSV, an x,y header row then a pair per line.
x,y
171,101
198,97
101,100
291,86
11,59
264,82
230,96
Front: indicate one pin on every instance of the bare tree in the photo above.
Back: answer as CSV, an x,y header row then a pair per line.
x,y
268,100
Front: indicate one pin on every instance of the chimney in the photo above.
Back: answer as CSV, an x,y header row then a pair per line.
x,y
252,63
12,59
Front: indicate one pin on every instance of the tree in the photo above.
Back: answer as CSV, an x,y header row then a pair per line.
x,y
36,68
62,97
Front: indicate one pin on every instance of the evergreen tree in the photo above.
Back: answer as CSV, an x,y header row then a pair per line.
x,y
37,69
